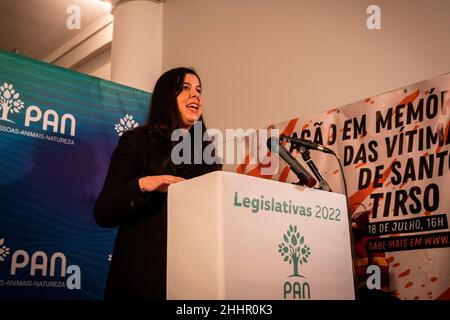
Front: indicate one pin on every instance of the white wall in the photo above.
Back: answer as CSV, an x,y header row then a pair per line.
x,y
266,61
89,51
97,66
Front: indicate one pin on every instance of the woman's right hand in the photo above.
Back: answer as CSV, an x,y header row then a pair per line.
x,y
157,183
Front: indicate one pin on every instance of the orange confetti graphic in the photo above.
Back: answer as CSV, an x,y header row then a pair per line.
x,y
305,126
256,172
335,171
241,168
406,100
390,259
284,174
401,186
404,273
413,96
362,164
433,279
331,111
367,100
396,265
290,127
409,284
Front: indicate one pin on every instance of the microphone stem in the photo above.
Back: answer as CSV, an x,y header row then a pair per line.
x,y
323,185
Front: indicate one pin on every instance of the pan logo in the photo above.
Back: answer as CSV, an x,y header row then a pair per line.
x,y
294,250
49,120
40,265
126,123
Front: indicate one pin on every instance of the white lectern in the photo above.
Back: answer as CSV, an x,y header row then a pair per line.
x,y
232,236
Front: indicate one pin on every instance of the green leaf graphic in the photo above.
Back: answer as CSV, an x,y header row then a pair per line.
x,y
293,249
294,240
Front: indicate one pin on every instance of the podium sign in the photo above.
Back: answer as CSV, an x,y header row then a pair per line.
x,y
233,236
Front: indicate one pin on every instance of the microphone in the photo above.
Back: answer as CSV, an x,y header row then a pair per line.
x,y
307,144
305,178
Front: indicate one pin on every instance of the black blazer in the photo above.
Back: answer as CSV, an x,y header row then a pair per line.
x,y
138,266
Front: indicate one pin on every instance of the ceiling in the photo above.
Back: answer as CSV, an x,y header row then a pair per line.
x,y
36,28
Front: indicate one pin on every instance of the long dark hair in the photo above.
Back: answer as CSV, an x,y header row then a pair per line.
x,y
164,116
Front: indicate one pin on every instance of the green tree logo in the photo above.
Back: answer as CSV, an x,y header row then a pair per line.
x,y
294,250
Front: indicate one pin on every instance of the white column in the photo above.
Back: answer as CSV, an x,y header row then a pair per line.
x,y
136,54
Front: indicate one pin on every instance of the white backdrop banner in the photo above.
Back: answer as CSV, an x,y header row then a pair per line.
x,y
394,149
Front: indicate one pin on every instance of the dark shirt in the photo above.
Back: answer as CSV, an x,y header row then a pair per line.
x,y
138,266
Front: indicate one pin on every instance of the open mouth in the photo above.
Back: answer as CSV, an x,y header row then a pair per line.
x,y
193,106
